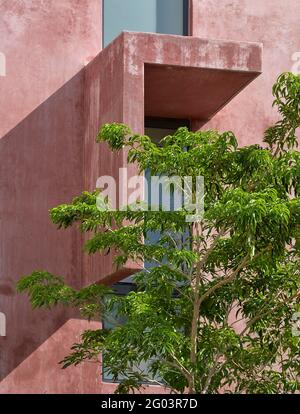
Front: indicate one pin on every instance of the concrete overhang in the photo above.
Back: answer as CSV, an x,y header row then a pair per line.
x,y
142,75
184,77
191,92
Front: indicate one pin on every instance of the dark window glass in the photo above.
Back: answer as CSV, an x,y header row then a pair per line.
x,y
111,321
158,128
156,16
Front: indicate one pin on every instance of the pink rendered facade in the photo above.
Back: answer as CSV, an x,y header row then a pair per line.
x,y
59,87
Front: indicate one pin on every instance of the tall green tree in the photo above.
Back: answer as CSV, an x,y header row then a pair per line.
x,y
216,312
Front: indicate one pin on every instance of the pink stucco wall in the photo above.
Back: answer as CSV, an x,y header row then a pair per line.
x,y
51,106
46,44
275,23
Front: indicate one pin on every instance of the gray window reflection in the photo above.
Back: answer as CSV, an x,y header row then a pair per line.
x,y
156,16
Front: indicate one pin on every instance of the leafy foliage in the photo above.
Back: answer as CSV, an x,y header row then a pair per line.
x,y
214,312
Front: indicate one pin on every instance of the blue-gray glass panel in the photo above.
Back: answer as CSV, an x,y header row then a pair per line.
x,y
156,16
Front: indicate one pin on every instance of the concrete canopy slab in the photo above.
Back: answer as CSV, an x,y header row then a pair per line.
x,y
163,76
190,93
185,77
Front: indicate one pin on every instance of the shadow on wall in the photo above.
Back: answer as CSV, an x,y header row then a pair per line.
x,y
41,164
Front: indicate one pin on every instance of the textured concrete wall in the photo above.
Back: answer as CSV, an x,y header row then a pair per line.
x,y
275,23
46,45
50,111
104,84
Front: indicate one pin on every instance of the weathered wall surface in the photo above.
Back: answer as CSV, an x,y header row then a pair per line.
x,y
104,103
46,45
275,23
50,111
